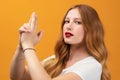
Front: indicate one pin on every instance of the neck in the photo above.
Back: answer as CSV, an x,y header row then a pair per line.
x,y
78,52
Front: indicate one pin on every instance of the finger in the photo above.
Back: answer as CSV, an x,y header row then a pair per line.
x,y
30,20
34,22
25,28
21,30
40,34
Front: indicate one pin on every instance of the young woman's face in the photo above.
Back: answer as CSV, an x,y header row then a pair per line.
x,y
73,31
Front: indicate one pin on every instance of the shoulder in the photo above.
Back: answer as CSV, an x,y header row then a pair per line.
x,y
86,69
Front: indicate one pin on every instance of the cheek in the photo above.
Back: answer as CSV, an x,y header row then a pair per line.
x,y
80,33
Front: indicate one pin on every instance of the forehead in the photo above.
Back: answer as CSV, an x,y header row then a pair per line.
x,y
73,13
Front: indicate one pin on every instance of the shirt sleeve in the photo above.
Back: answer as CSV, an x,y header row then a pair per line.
x,y
88,71
48,58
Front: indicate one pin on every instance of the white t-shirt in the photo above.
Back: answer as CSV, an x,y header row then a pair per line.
x,y
88,68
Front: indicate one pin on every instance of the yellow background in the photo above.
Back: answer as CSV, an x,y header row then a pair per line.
x,y
13,13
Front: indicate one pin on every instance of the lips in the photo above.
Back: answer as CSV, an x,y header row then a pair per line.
x,y
68,34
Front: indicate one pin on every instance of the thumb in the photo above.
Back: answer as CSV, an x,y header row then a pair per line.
x,y
40,34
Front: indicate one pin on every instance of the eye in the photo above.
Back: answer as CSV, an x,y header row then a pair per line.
x,y
78,22
66,21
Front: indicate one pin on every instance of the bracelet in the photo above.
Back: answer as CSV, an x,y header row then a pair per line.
x,y
29,49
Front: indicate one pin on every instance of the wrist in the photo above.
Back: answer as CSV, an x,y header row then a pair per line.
x,y
19,47
28,49
27,46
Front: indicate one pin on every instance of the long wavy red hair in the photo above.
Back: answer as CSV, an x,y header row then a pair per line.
x,y
94,41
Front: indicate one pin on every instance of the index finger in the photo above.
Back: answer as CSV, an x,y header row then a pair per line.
x,y
30,20
33,21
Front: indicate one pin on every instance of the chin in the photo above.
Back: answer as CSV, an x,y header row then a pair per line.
x,y
72,42
68,42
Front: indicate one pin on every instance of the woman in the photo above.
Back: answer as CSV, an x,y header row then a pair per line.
x,y
80,53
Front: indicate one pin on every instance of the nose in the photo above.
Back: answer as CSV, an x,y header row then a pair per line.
x,y
69,26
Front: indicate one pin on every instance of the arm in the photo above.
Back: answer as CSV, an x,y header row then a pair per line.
x,y
37,71
19,72
17,68
17,64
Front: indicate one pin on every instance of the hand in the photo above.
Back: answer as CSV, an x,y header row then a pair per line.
x,y
28,33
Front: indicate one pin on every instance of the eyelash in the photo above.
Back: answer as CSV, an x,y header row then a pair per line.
x,y
66,21
77,22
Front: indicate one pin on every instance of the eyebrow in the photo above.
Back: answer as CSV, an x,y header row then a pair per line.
x,y
74,18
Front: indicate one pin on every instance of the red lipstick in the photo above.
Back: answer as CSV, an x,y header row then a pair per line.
x,y
68,34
